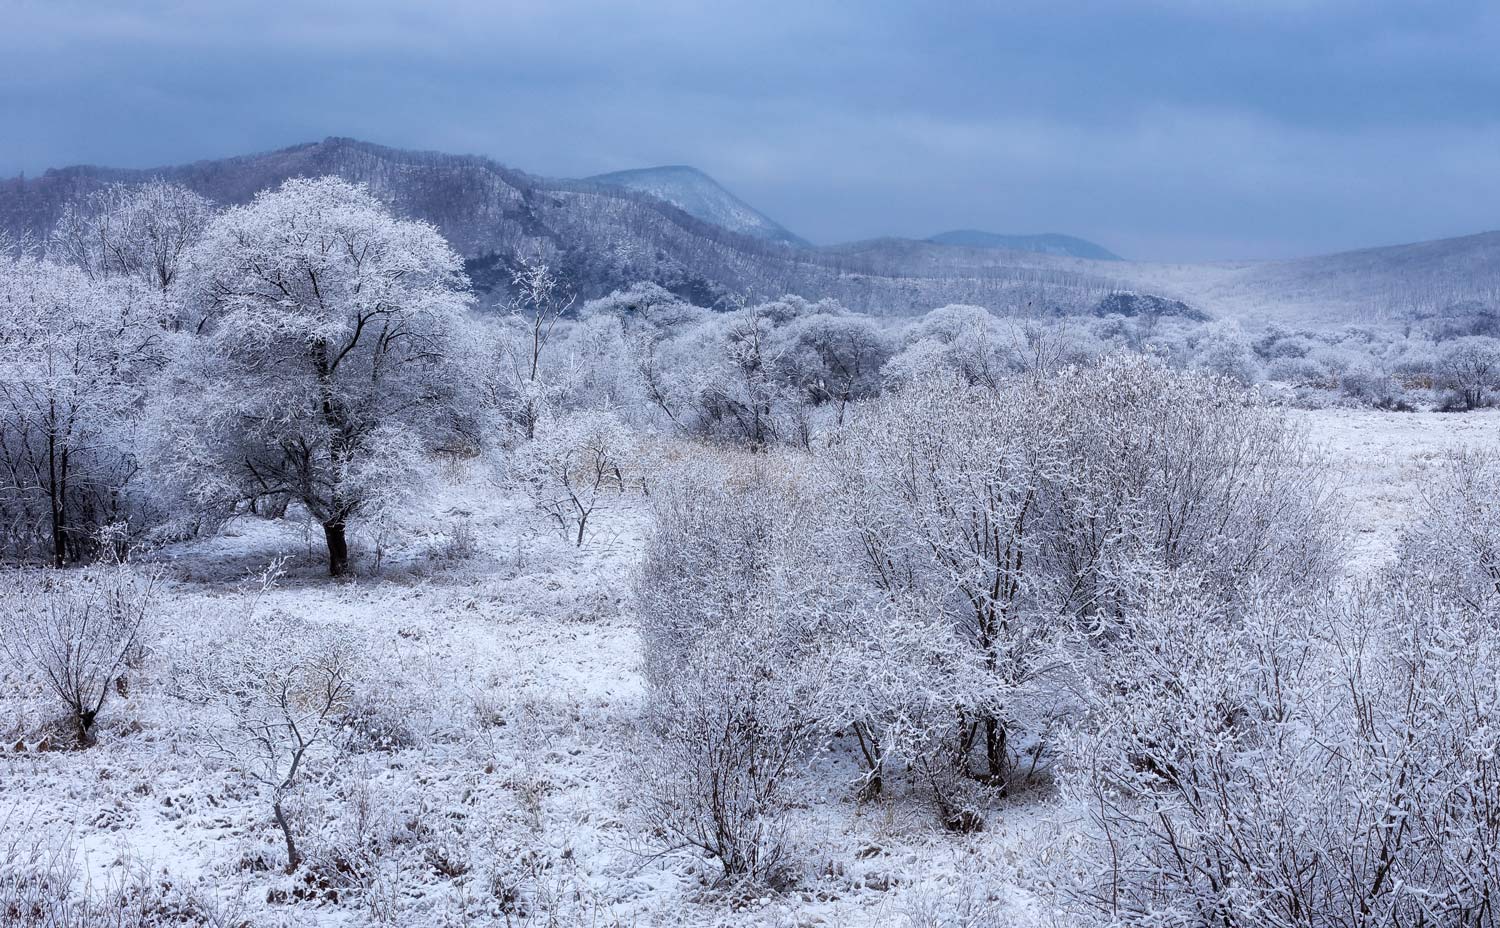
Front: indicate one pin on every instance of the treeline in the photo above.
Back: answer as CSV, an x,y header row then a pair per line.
x,y
169,363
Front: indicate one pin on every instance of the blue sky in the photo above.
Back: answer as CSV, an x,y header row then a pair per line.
x,y
1167,130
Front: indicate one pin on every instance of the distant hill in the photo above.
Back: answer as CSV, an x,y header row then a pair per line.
x,y
702,197
1371,285
602,236
1049,243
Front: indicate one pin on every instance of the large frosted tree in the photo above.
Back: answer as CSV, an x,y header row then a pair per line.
x,y
325,366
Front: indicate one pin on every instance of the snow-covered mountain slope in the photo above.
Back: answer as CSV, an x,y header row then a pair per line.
x,y
606,236
1049,243
701,197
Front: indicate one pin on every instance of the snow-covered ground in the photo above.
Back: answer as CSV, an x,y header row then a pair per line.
x,y
1378,460
489,778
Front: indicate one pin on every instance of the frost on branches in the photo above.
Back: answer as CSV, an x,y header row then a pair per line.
x,y
76,360
323,371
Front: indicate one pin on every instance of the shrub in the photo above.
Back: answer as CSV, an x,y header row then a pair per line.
x,y
75,630
1320,764
730,606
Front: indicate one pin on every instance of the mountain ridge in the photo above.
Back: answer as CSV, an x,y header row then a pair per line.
x,y
602,237
1047,243
700,195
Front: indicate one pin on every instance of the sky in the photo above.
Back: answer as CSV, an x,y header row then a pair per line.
x,y
1165,130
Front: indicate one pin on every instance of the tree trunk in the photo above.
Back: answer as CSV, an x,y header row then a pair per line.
x,y
57,496
338,549
293,859
84,725
59,536
995,748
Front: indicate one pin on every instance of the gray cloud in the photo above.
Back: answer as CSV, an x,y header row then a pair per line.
x,y
1165,129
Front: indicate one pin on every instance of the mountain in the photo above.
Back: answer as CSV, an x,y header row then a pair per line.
x,y
600,237
1047,244
700,196
1370,285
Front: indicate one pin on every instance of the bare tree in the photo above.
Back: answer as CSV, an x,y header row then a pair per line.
x,y
277,684
539,304
573,465
76,631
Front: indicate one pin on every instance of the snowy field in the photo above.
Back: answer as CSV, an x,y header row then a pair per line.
x,y
1379,459
485,775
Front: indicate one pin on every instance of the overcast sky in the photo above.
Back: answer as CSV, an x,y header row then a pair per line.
x,y
1167,130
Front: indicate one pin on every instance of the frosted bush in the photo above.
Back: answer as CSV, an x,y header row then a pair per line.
x,y
74,632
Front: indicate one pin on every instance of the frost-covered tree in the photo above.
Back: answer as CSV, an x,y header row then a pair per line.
x,y
967,341
950,488
75,359
143,233
1470,367
1003,525
739,397
574,465
518,383
655,326
836,357
326,366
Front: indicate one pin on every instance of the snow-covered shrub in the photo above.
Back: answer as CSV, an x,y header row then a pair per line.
x,y
372,723
728,741
74,631
1300,372
1469,367
1224,351
975,890
1371,386
730,601
575,464
459,542
43,885
1455,541
1000,528
1415,365
1276,343
273,690
1323,763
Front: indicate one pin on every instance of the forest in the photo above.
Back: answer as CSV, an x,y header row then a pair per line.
x,y
335,594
